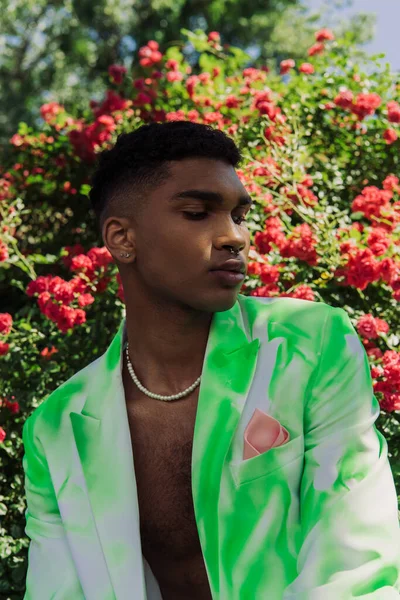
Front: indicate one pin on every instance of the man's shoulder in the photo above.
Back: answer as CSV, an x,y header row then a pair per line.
x,y
64,398
287,309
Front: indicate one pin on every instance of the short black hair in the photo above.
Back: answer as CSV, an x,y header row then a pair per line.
x,y
139,158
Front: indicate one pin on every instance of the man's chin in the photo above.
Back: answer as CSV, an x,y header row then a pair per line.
x,y
223,301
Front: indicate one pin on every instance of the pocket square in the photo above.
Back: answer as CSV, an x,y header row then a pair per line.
x,y
263,433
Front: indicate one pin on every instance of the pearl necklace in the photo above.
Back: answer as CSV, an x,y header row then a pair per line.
x,y
158,396
141,387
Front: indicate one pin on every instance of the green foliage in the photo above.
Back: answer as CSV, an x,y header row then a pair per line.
x,y
61,50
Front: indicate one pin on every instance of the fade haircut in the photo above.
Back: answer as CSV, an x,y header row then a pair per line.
x,y
137,164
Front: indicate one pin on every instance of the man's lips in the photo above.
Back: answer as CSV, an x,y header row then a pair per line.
x,y
234,265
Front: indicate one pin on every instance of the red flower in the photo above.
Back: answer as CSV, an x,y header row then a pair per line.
x,y
112,103
378,241
47,353
214,36
306,68
172,64
366,104
72,251
17,140
307,181
371,201
393,109
390,136
324,34
303,292
3,252
116,72
63,292
78,284
14,407
390,402
317,48
387,270
6,322
41,284
4,348
100,257
301,245
369,326
85,300
2,435
269,273
68,317
81,262
391,183
286,65
361,269
149,54
50,110
344,99
67,187
254,268
272,233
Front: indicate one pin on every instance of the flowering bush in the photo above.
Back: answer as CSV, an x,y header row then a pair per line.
x,y
321,148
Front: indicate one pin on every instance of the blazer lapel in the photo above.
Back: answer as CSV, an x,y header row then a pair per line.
x,y
228,371
103,441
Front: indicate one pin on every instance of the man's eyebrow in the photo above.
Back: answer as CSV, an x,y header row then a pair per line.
x,y
209,197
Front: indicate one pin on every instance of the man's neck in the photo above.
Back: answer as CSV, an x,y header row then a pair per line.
x,y
166,349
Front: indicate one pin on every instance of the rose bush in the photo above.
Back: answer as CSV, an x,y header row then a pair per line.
x,y
321,161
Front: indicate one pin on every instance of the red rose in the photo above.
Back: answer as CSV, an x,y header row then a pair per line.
x,y
306,68
116,72
367,327
6,322
390,136
324,34
286,65
393,109
317,48
4,348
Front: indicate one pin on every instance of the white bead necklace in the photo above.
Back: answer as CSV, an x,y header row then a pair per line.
x,y
158,396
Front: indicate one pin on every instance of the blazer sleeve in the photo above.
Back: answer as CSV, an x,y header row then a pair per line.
x,y
51,572
350,534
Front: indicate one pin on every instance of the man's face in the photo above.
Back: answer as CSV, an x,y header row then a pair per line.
x,y
175,251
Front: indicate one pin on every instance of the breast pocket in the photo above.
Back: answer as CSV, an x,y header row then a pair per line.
x,y
276,461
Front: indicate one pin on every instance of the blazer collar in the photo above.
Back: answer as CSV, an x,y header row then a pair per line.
x,y
104,445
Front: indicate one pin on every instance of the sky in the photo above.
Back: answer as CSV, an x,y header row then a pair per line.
x,y
387,29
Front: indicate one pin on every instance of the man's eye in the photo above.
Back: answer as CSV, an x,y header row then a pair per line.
x,y
194,215
199,216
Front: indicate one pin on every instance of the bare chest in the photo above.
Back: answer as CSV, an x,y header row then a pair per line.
x,y
162,441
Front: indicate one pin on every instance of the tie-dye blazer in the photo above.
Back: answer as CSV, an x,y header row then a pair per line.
x,y
315,518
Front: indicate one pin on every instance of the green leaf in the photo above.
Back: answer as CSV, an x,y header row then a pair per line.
x,y
198,39
48,259
355,234
356,216
174,53
23,128
207,62
241,56
34,179
85,189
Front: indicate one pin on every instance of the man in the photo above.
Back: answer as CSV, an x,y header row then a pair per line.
x,y
224,446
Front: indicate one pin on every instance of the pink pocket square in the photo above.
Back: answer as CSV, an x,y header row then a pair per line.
x,y
263,433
